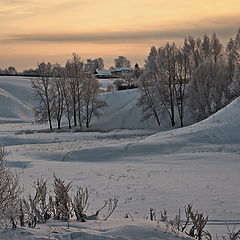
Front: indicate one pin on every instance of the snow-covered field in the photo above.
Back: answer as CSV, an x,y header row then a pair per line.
x,y
142,168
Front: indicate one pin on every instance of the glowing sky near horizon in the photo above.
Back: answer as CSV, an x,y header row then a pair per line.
x,y
34,30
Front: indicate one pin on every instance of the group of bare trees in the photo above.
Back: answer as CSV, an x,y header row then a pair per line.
x,y
71,92
201,76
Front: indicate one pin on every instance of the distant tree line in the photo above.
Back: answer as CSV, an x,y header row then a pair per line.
x,y
201,76
71,91
8,71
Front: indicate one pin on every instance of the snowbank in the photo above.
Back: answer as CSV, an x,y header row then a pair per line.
x,y
221,128
118,229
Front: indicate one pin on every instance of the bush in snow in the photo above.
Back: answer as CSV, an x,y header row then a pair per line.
x,y
10,191
193,224
62,201
37,208
80,202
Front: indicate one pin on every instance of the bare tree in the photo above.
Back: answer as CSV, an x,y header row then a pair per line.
x,y
91,102
148,99
75,74
161,65
59,103
182,73
44,93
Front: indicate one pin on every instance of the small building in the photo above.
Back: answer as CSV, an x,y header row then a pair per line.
x,y
113,73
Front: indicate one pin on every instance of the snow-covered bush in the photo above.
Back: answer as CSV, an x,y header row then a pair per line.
x,y
80,202
193,224
62,199
38,207
10,191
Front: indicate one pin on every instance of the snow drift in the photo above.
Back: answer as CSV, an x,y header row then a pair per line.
x,y
114,229
222,128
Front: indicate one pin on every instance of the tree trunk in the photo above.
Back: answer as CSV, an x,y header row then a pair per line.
x,y
50,121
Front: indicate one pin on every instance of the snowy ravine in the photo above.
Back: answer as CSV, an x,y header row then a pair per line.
x,y
198,164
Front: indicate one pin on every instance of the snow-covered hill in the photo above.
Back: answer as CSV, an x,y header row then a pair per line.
x,y
16,99
199,163
216,133
123,112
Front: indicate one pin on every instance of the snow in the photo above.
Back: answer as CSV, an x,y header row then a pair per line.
x,y
16,99
117,229
143,168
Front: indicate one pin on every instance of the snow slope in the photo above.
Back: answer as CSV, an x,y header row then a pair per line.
x,y
16,99
221,128
122,112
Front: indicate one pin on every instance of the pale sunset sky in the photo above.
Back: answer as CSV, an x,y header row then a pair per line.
x,y
51,30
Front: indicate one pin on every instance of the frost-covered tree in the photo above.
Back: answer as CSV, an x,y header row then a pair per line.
x,y
92,65
216,48
208,88
206,47
163,84
232,56
122,61
235,84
